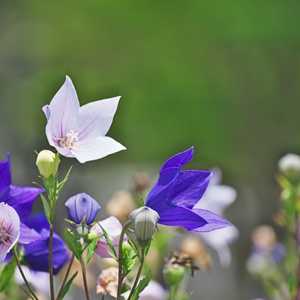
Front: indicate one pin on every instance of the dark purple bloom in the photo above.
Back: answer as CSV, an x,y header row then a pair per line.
x,y
177,191
82,208
19,198
36,253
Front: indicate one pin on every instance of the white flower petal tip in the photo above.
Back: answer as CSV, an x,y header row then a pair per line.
x,y
80,132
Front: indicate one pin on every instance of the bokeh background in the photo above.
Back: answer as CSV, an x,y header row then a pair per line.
x,y
220,75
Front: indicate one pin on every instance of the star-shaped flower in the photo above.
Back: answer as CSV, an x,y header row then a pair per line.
x,y
80,132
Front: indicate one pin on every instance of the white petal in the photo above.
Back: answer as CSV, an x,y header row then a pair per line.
x,y
95,118
217,198
97,148
62,112
10,219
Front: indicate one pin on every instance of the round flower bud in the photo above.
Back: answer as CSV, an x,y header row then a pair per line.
x,y
82,208
47,163
144,223
289,165
173,274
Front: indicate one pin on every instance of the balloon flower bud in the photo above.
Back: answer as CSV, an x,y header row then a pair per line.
x,y
144,224
82,208
289,165
47,163
173,274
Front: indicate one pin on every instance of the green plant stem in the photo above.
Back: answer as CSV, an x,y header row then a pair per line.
x,y
65,277
83,270
138,275
32,294
173,292
50,262
120,273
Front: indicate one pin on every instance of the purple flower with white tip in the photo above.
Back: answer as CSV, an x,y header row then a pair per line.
x,y
177,191
82,208
113,228
80,132
9,229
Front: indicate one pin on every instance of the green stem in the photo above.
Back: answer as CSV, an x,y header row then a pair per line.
x,y
32,294
65,277
84,277
50,262
138,275
120,275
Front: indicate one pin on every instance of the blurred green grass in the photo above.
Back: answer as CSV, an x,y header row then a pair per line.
x,y
223,76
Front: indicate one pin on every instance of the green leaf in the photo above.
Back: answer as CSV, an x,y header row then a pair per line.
x,y
67,287
141,286
7,274
73,243
91,249
128,257
64,181
46,207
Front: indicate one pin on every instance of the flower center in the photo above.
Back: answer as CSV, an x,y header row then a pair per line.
x,y
5,234
69,140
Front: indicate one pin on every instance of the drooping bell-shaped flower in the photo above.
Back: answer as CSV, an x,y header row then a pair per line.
x,y
82,208
177,191
80,132
9,229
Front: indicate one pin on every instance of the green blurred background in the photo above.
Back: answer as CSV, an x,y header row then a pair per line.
x,y
220,75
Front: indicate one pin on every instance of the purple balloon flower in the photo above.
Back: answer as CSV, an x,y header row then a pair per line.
x,y
80,132
177,191
9,229
19,198
36,252
82,208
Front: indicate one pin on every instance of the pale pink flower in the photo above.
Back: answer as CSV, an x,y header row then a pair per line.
x,y
107,283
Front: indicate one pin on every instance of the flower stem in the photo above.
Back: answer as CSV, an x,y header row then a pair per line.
x,y
50,262
138,275
32,294
120,275
65,277
83,270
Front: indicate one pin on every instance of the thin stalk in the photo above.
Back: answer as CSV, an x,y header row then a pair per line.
x,y
50,263
32,294
120,275
84,277
65,277
138,275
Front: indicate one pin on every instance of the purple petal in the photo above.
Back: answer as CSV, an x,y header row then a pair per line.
x,y
95,118
36,253
181,217
88,150
189,187
22,198
179,159
62,112
213,221
37,222
28,235
5,176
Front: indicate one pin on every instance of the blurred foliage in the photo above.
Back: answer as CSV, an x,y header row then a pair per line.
x,y
221,75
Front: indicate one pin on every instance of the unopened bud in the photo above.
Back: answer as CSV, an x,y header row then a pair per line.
x,y
289,165
144,221
173,274
47,163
